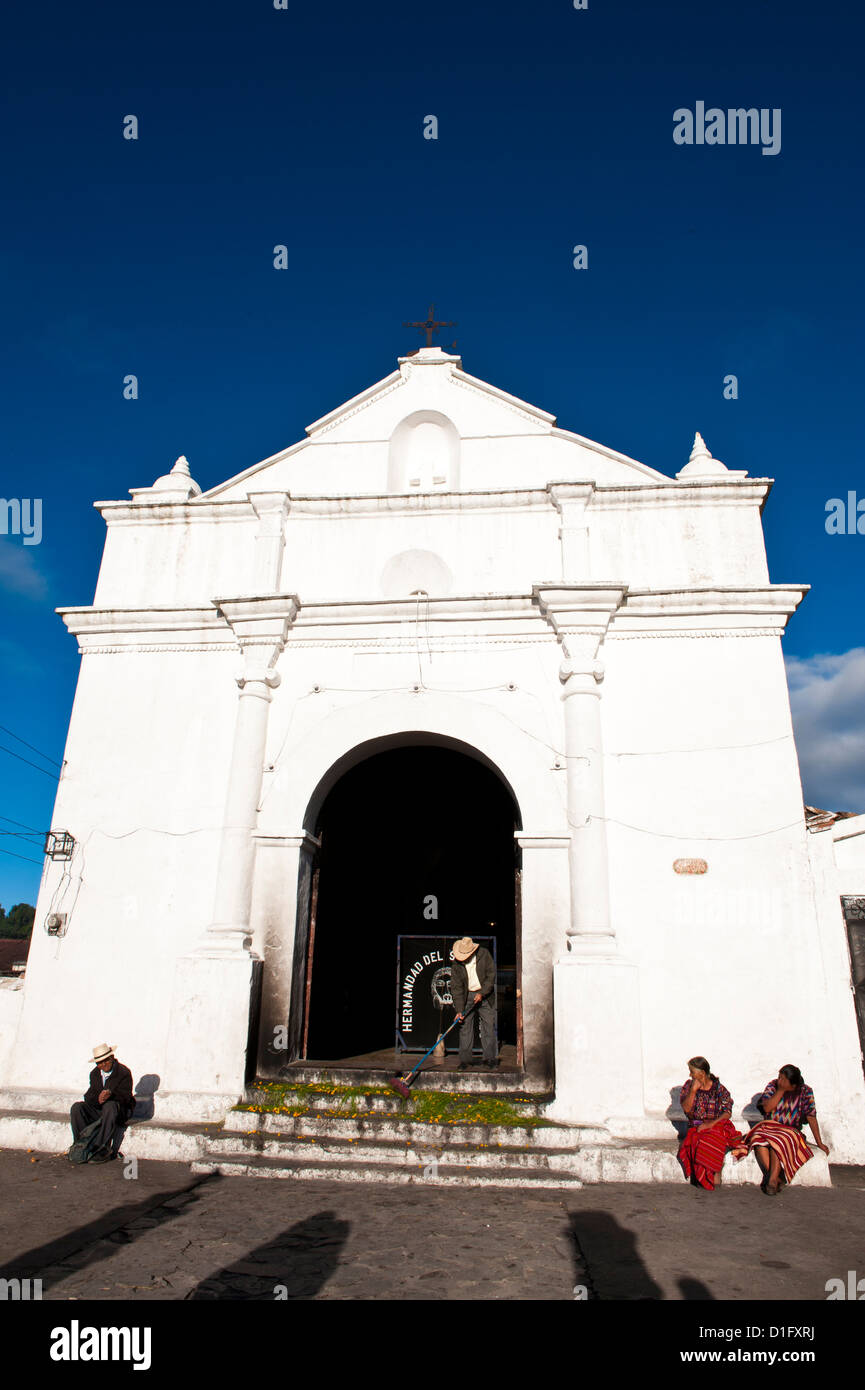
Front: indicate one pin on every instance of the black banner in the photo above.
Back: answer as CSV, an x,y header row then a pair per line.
x,y
423,998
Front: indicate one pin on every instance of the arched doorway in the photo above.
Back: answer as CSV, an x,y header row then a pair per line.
x,y
405,832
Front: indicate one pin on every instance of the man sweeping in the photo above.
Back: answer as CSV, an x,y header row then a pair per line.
x,y
474,977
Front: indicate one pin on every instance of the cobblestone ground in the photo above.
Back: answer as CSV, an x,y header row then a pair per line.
x,y
90,1233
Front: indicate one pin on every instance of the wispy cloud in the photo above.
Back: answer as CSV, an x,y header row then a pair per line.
x,y
827,698
19,572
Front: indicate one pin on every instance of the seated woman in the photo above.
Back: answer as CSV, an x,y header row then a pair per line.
x,y
708,1106
777,1142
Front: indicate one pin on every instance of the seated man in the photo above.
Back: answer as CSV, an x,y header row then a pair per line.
x,y
108,1099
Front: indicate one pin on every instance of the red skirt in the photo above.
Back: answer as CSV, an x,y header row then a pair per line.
x,y
702,1151
787,1142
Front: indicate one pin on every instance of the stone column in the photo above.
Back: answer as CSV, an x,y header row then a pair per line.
x,y
580,615
597,1025
228,933
260,626
589,926
210,1016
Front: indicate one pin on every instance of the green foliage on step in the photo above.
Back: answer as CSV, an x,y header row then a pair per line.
x,y
426,1107
448,1108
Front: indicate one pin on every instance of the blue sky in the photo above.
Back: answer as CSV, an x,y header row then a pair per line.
x,y
305,128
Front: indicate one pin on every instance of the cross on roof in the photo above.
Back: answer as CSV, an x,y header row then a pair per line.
x,y
431,325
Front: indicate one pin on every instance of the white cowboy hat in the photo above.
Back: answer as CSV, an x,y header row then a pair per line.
x,y
464,948
101,1051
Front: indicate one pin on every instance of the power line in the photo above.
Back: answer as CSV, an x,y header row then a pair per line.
x,y
689,835
31,746
20,835
55,776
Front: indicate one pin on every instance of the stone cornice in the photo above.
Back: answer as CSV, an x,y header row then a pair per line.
x,y
357,403
463,608
92,622
598,497
779,600
175,513
370,504
685,492
530,413
606,452
589,610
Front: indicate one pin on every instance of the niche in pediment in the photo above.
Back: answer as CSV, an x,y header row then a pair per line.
x,y
424,454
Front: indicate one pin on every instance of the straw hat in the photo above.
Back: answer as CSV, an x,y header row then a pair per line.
x,y
464,948
101,1051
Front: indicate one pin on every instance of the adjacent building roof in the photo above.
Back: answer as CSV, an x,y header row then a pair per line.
x,y
12,951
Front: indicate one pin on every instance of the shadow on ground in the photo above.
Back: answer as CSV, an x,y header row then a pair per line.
x,y
296,1264
87,1245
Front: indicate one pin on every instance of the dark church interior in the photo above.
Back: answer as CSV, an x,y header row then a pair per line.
x,y
400,827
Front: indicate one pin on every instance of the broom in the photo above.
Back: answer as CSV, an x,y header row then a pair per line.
x,y
401,1084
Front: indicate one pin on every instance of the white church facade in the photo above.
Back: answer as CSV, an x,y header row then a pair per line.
x,y
441,667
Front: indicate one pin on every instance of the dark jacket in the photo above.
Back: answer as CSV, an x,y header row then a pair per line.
x,y
119,1083
460,979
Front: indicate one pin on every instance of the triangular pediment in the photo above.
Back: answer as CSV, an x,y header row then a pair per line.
x,y
431,426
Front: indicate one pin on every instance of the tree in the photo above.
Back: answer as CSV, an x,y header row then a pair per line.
x,y
18,921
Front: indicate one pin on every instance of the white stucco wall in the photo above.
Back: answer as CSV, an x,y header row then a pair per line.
x,y
146,813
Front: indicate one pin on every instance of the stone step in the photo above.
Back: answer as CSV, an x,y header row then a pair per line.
x,y
52,1134
391,1104
446,1175
400,1130
530,1157
615,1161
475,1082
307,1148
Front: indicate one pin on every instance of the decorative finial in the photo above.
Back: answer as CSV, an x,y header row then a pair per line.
x,y
699,450
176,486
701,464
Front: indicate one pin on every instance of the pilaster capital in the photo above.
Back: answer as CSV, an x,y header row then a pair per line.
x,y
571,607
590,671
570,498
579,615
257,673
260,625
271,508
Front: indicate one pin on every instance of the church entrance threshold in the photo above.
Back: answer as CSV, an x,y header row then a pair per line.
x,y
375,1069
392,1063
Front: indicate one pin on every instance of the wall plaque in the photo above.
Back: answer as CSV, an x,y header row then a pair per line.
x,y
690,866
